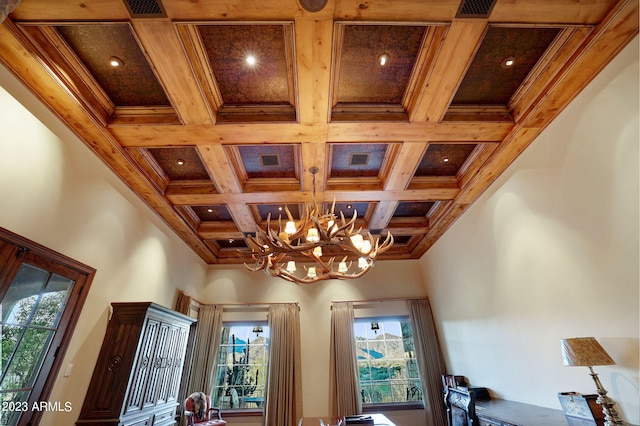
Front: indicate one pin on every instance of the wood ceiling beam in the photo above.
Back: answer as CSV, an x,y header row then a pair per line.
x,y
71,10
258,133
551,12
314,155
313,40
459,47
160,41
220,169
172,135
242,217
523,11
600,47
400,176
418,132
405,165
179,197
232,10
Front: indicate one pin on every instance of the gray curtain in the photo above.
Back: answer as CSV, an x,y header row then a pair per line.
x,y
343,369
205,354
284,383
430,360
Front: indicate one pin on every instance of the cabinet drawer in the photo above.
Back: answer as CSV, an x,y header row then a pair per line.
x,y
139,421
488,422
168,422
165,417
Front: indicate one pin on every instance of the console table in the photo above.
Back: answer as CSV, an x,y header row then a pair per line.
x,y
378,420
499,412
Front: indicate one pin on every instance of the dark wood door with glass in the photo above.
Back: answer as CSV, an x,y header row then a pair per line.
x,y
42,293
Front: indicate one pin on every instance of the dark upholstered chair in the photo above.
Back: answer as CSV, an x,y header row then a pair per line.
x,y
198,410
461,407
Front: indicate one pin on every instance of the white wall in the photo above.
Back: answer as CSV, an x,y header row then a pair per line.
x,y
56,192
235,284
550,251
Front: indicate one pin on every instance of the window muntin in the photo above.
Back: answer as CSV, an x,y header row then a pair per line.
x,y
387,367
30,315
241,374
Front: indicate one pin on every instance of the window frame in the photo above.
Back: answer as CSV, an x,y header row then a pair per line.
x,y
15,251
243,412
372,407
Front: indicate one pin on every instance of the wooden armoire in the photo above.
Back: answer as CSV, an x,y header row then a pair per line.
x,y
140,367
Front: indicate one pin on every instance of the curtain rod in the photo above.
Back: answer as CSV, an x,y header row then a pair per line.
x,y
197,304
256,304
389,299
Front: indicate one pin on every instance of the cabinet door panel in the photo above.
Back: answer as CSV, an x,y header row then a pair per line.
x,y
182,338
169,354
157,366
143,366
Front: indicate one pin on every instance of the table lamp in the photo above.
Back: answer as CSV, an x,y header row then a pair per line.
x,y
587,352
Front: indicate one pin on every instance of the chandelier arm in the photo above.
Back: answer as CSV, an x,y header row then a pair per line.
x,y
325,267
259,264
256,243
345,224
348,242
386,245
271,247
288,212
341,276
284,274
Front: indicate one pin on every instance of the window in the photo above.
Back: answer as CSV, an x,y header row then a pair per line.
x,y
387,366
41,295
241,375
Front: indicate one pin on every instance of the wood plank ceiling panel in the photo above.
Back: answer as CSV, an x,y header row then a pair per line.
x,y
408,145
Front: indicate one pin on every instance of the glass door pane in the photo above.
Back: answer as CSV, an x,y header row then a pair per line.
x,y
30,312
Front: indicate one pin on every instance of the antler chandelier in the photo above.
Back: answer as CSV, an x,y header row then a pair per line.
x,y
276,249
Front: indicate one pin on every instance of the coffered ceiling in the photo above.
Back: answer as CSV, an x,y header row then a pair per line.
x,y
217,109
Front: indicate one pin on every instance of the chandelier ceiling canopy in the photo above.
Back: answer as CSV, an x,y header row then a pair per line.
x,y
349,252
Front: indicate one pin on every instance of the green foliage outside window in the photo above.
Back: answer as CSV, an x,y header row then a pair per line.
x,y
387,367
242,367
30,310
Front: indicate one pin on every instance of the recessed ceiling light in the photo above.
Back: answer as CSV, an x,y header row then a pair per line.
x,y
383,59
115,62
251,60
180,162
509,62
445,159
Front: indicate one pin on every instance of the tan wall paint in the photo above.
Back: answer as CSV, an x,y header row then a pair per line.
x,y
55,192
550,251
234,284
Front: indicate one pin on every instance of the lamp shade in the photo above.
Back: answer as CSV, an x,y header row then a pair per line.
x,y
585,352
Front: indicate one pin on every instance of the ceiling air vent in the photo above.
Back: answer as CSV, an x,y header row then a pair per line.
x,y
269,160
475,8
145,8
359,159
